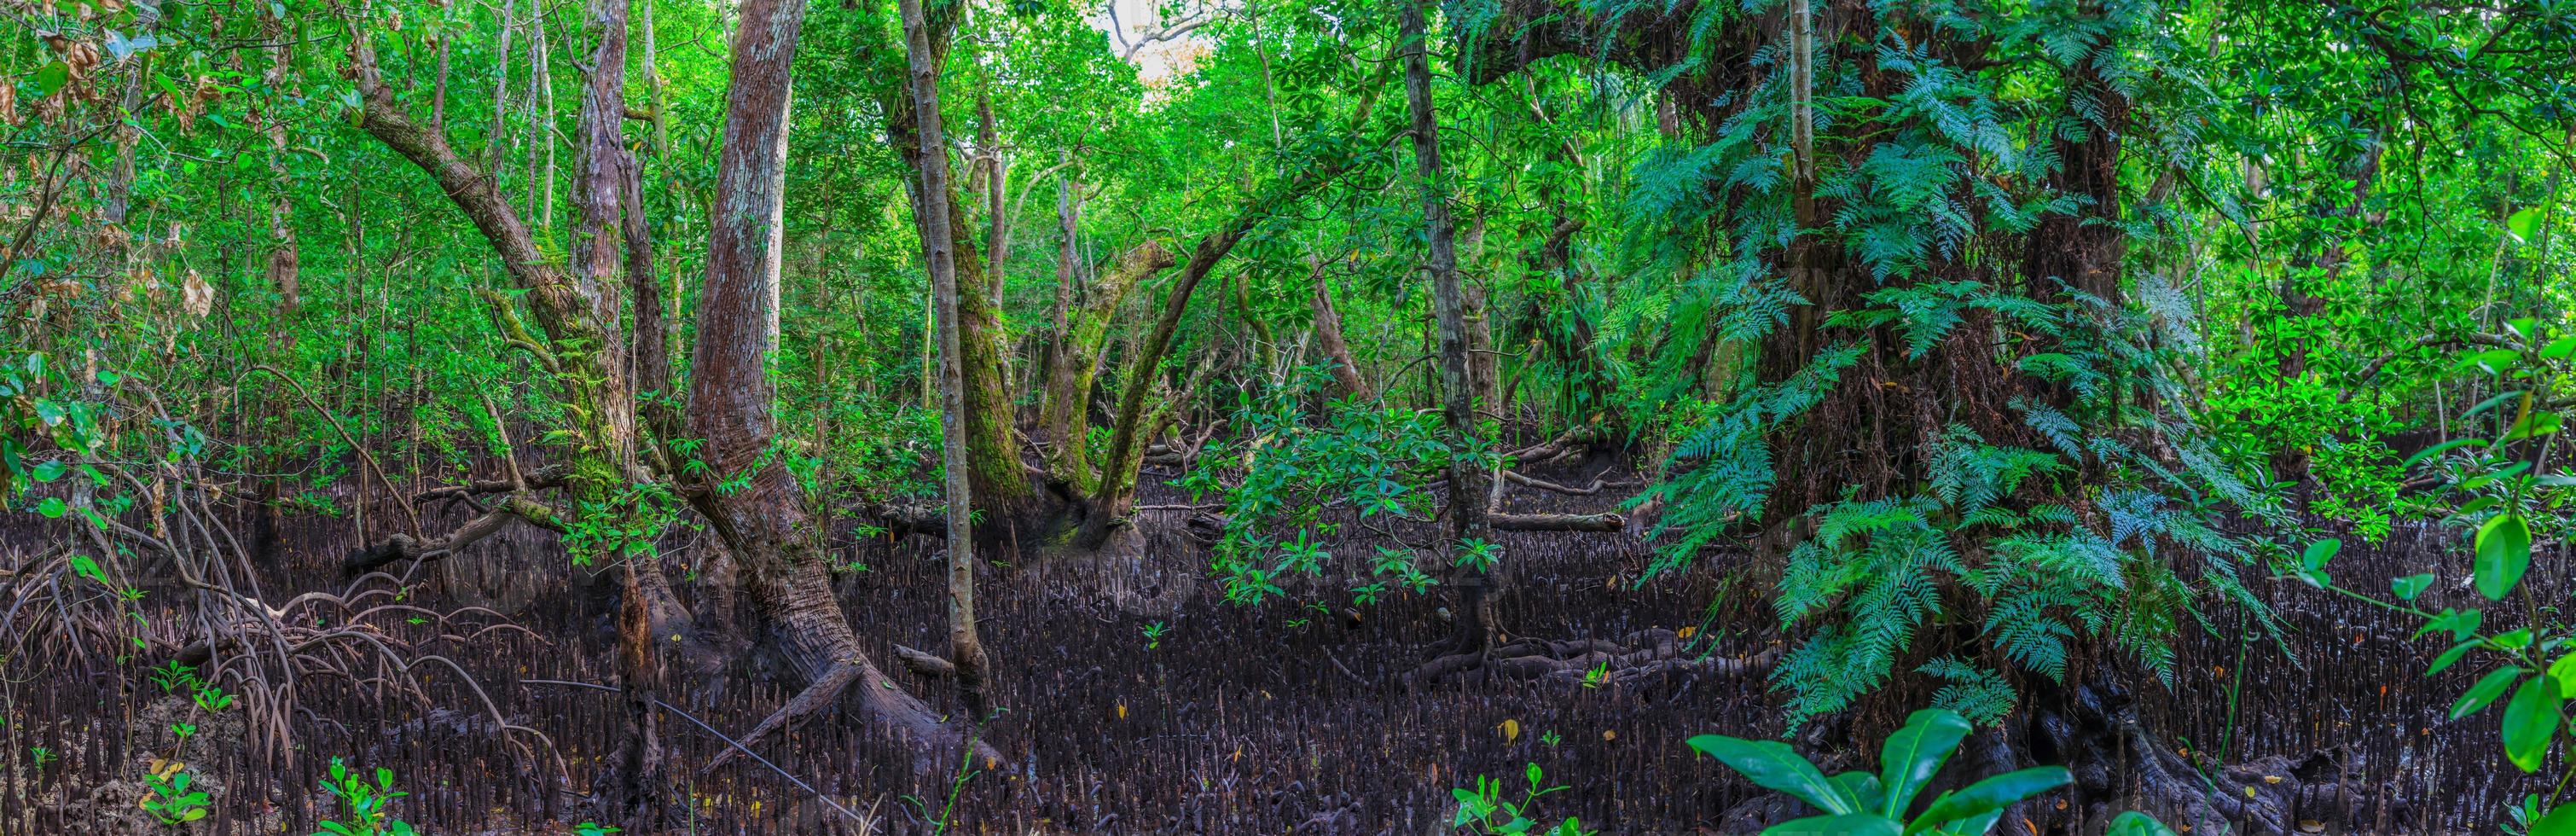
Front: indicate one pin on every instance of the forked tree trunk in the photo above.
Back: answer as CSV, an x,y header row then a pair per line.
x,y
1074,366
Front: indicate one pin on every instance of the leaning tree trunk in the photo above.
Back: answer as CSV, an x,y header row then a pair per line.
x,y
1336,347
1074,365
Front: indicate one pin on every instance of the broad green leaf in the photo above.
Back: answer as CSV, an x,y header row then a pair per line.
x,y
2134,823
1991,794
1772,765
2530,720
2504,551
2559,349
50,78
2524,223
1862,786
2539,423
2410,587
2564,670
52,507
2493,361
1915,752
2441,448
2485,691
2490,403
1858,824
2319,552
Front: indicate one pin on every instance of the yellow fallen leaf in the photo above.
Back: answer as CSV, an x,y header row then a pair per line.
x,y
1511,730
2271,779
1685,632
1122,711
2249,791
1607,734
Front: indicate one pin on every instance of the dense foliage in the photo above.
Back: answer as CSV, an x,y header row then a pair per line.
x,y
2000,344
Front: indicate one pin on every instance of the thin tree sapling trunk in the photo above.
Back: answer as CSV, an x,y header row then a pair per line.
x,y
965,646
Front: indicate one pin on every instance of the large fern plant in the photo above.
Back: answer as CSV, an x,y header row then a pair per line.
x,y
2065,504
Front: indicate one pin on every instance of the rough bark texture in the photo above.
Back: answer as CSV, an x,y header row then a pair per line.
x,y
1470,482
764,523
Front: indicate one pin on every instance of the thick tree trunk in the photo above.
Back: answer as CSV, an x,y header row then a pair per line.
x,y
730,393
965,645
1469,479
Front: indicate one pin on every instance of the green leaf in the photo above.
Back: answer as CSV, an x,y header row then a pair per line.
x,y
2412,586
2558,349
2134,823
1990,795
2530,720
2319,552
2539,423
2459,623
2441,448
1914,753
1862,786
2558,822
2452,656
2504,551
51,77
1857,824
1772,765
2485,691
2491,403
2564,670
52,507
2523,224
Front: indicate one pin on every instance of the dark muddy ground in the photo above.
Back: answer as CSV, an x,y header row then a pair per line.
x,y
1260,721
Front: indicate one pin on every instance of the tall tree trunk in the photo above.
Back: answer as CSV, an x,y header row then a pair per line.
x,y
284,261
730,393
1068,285
965,646
1468,477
